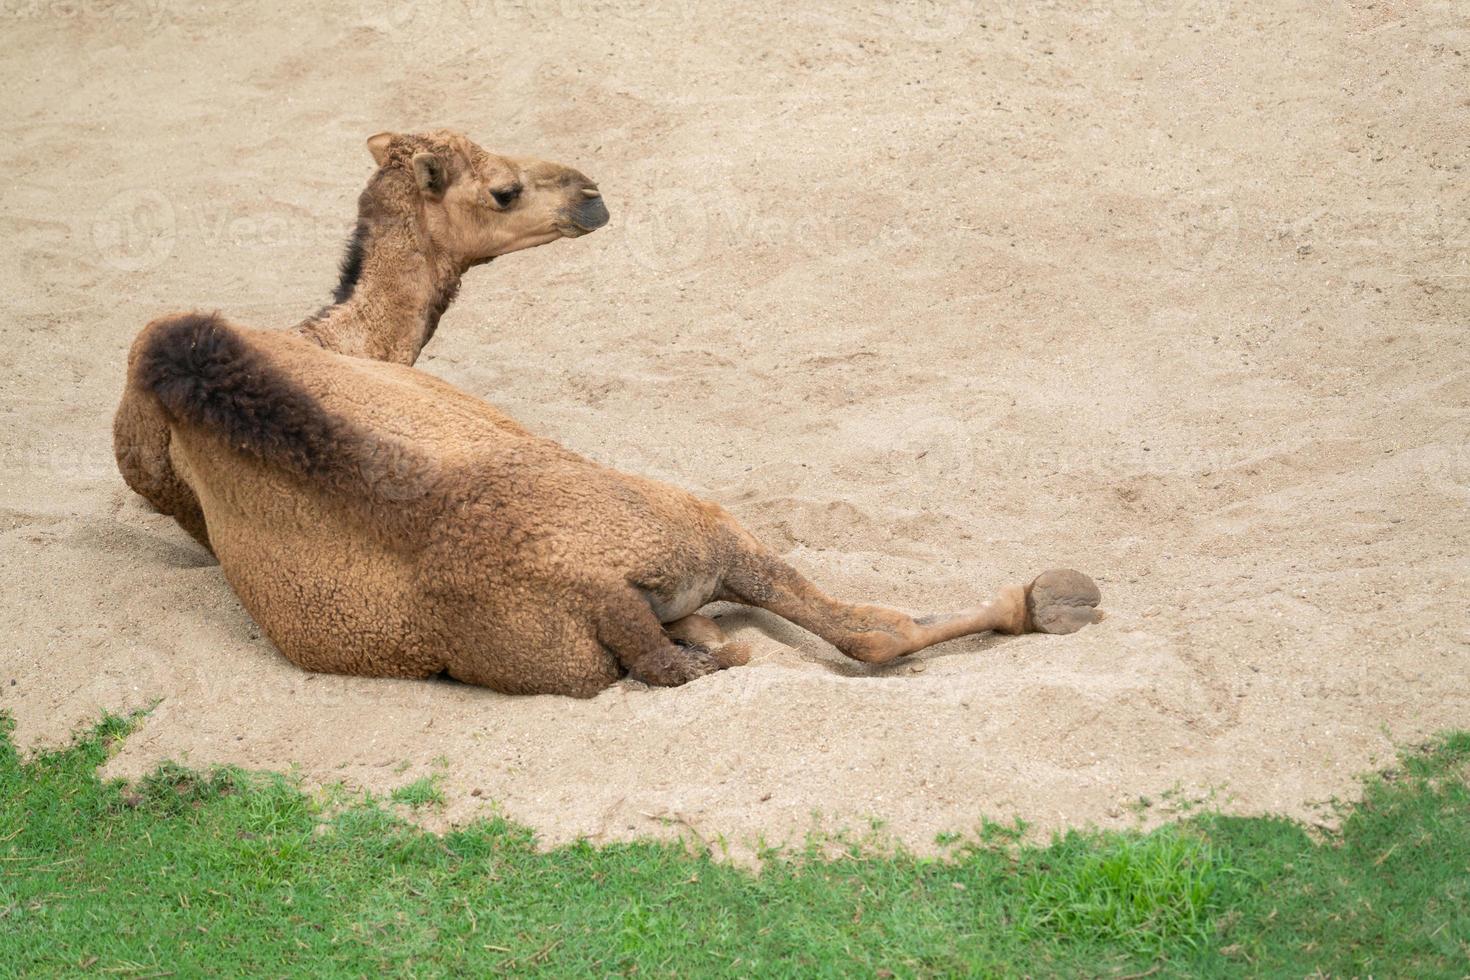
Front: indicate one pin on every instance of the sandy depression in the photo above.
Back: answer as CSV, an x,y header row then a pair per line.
x,y
932,298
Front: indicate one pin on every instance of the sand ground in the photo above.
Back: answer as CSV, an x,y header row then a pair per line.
x,y
932,297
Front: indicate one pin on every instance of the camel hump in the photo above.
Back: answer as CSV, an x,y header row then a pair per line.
x,y
207,374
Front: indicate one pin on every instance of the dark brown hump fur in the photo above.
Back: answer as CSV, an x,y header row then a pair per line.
x,y
207,375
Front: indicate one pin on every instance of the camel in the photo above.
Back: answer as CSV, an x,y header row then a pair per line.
x,y
437,206
377,521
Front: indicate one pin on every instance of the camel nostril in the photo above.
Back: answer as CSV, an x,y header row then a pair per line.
x,y
591,192
590,215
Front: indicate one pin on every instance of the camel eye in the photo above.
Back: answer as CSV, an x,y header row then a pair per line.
x,y
506,196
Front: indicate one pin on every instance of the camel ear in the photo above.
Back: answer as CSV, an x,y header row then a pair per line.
x,y
378,147
431,172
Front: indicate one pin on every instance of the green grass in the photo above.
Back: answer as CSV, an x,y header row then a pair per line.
x,y
1141,893
229,872
420,792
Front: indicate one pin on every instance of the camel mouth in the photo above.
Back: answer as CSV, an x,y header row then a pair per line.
x,y
586,216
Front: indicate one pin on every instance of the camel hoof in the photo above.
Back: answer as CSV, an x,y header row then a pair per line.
x,y
735,654
1062,600
679,663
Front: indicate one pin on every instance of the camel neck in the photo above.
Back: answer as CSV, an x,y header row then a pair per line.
x,y
394,289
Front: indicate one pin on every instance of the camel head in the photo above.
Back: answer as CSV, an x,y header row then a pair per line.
x,y
475,205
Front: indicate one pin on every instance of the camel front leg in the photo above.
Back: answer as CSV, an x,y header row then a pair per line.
x,y
1061,601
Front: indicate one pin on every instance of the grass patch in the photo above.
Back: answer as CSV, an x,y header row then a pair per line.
x,y
419,793
227,872
1142,893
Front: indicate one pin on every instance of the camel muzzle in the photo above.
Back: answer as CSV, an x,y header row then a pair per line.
x,y
589,215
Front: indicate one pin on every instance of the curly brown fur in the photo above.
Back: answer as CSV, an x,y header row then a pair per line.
x,y
208,377
401,271
204,374
530,569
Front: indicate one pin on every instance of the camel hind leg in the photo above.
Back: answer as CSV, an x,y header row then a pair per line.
x,y
687,649
701,631
141,445
1060,601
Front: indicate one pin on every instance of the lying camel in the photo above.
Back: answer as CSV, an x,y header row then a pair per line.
x,y
377,521
437,206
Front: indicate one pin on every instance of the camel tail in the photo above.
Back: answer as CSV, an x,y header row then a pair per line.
x,y
206,374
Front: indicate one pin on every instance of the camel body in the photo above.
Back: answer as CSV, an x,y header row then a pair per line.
x,y
453,541
377,521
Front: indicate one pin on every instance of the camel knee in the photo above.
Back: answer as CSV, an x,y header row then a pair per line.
x,y
875,635
869,648
873,646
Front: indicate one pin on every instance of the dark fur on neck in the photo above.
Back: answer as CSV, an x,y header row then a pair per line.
x,y
376,213
352,263
374,206
441,303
